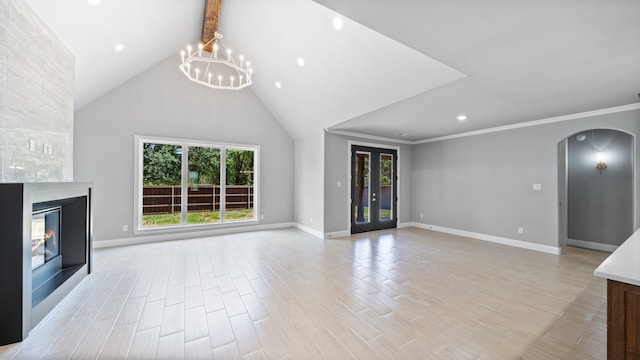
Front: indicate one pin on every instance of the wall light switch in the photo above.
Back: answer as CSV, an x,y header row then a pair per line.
x,y
32,145
125,227
520,230
339,184
537,187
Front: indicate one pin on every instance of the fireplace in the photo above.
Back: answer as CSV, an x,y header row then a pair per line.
x,y
45,250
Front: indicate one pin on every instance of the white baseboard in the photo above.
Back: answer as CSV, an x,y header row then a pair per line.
x,y
491,238
309,230
592,245
187,235
336,234
405,225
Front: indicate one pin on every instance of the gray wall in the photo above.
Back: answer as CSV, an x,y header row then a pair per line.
x,y
483,183
601,203
336,199
309,181
36,99
163,102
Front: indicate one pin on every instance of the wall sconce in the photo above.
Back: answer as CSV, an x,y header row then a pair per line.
x,y
601,165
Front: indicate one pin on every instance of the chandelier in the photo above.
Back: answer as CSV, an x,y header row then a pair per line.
x,y
213,65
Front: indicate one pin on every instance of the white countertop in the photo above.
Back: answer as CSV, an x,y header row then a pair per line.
x,y
623,264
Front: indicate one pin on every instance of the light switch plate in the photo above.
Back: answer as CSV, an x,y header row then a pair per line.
x,y
537,187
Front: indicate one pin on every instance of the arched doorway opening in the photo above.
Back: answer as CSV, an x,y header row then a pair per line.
x,y
595,189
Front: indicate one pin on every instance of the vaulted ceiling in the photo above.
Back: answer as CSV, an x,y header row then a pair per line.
x,y
402,67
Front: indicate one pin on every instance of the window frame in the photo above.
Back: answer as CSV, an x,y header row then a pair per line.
x,y
140,140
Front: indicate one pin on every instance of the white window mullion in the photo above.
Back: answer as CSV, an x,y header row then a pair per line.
x,y
184,192
223,183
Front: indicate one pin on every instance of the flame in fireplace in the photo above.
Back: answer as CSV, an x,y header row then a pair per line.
x,y
50,234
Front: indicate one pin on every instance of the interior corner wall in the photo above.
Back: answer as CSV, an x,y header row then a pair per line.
x,y
36,99
163,102
309,181
336,199
484,183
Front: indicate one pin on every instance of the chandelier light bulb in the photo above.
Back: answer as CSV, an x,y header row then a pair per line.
x,y
209,78
229,55
232,79
197,73
215,51
189,50
182,54
200,46
219,80
241,60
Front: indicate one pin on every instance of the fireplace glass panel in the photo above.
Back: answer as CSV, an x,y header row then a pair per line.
x,y
45,236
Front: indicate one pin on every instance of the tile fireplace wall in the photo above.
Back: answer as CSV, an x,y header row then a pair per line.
x,y
36,99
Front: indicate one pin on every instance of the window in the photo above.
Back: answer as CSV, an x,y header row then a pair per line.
x,y
189,183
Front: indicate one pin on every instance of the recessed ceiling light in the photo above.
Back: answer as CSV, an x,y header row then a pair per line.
x,y
462,117
337,23
119,47
581,137
402,134
94,2
300,62
278,85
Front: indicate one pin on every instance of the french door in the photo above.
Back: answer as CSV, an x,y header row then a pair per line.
x,y
374,194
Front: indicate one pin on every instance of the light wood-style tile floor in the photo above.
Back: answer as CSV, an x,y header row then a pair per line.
x,y
283,294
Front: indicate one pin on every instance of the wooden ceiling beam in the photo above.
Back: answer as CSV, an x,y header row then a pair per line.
x,y
212,11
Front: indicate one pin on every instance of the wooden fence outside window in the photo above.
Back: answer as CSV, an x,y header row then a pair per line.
x,y
167,199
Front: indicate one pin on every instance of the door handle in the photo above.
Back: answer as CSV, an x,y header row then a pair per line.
x,y
374,199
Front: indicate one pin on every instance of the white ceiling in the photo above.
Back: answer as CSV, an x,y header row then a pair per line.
x,y
346,73
523,60
150,30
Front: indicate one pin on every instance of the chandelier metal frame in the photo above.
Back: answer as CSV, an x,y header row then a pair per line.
x,y
199,67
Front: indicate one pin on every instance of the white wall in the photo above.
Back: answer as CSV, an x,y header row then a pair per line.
x,y
36,99
163,102
483,183
336,199
309,182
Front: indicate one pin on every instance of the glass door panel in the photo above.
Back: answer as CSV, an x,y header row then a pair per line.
x,y
362,188
385,195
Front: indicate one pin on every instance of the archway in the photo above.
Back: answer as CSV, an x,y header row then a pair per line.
x,y
595,189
